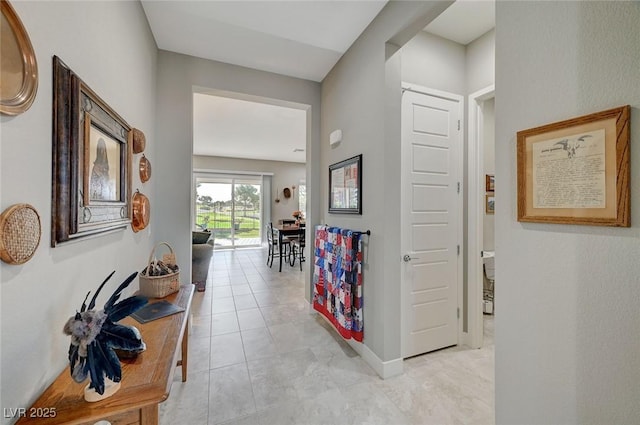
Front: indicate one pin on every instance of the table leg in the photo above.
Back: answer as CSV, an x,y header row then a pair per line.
x,y
185,350
280,249
149,415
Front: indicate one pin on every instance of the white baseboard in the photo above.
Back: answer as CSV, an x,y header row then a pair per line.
x,y
385,370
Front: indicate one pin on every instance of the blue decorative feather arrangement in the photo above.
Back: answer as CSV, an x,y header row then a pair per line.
x,y
95,335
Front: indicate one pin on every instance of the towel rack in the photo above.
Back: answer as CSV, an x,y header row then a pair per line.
x,y
364,232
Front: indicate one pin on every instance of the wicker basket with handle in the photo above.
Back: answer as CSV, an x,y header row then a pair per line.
x,y
159,286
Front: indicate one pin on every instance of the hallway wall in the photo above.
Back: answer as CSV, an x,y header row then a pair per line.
x,y
567,314
110,47
361,96
434,62
480,62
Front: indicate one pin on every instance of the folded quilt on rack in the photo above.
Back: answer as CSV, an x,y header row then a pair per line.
x,y
337,279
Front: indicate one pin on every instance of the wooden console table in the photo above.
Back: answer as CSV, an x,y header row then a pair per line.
x,y
146,380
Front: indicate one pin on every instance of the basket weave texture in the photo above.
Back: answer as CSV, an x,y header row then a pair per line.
x,y
19,233
159,286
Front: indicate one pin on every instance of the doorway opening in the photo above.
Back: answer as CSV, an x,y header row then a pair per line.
x,y
482,191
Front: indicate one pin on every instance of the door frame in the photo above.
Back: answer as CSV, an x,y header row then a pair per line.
x,y
475,215
232,176
460,163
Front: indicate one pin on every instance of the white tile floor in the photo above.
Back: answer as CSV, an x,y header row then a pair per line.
x,y
259,355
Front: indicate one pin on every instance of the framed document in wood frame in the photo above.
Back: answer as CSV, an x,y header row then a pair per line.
x,y
576,171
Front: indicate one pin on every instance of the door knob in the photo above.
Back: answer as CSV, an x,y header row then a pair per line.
x,y
406,258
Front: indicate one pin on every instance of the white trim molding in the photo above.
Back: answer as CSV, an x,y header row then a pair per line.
x,y
475,170
385,369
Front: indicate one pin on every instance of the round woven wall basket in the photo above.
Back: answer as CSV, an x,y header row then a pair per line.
x,y
19,233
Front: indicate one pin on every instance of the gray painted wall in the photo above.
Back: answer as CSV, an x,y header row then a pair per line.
x,y
178,77
116,56
361,96
435,62
567,316
480,62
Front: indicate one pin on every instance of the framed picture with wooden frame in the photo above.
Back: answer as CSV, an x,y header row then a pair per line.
x,y
576,171
490,203
490,182
91,164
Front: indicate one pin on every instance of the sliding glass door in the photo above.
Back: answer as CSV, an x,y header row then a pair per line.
x,y
230,207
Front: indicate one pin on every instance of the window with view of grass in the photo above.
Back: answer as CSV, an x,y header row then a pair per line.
x,y
229,206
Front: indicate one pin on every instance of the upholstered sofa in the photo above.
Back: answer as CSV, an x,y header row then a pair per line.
x,y
201,253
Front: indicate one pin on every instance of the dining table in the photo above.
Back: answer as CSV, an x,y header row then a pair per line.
x,y
283,231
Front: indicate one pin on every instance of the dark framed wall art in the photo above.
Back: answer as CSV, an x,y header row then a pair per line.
x,y
345,186
91,164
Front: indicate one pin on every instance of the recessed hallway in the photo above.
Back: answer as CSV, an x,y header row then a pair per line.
x,y
259,355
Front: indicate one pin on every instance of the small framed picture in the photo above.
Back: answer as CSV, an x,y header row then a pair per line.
x,y
490,182
345,186
490,203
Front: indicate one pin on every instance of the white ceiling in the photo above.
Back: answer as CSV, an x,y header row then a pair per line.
x,y
465,20
300,38
228,127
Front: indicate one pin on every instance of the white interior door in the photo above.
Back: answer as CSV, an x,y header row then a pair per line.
x,y
432,219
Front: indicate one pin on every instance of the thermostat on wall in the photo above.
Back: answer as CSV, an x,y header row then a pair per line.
x,y
335,137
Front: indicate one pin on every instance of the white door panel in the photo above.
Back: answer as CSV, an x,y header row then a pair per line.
x,y
430,160
431,276
430,237
431,146
428,198
432,119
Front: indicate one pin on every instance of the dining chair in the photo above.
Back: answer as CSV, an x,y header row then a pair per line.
x,y
297,247
275,248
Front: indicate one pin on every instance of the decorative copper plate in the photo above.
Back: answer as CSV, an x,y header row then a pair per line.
x,y
141,211
145,169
